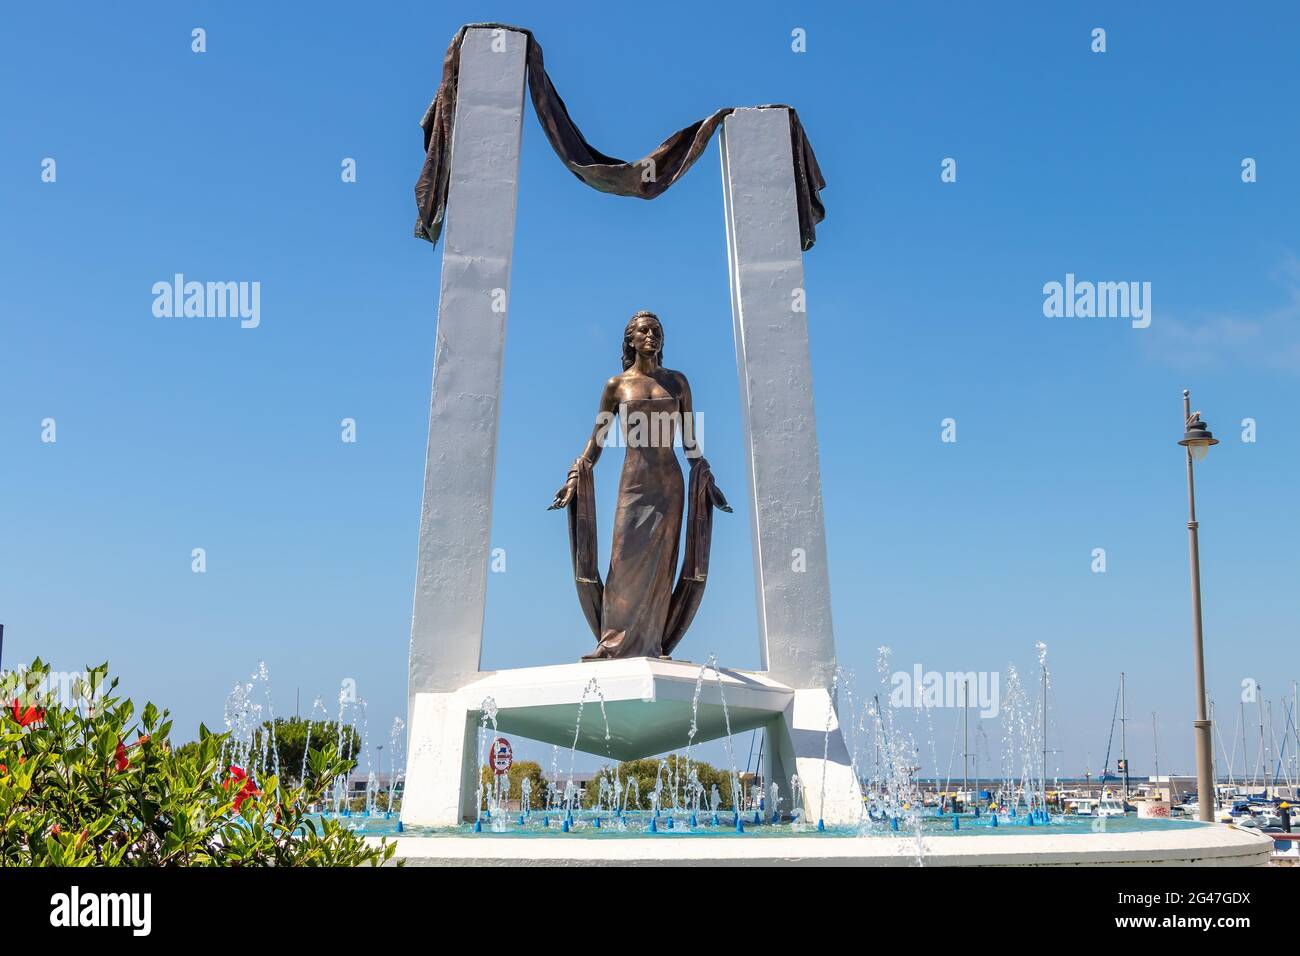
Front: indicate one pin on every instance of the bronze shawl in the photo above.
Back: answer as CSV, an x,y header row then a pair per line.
x,y
668,162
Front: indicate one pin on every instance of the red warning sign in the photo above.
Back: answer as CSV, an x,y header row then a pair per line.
x,y
502,755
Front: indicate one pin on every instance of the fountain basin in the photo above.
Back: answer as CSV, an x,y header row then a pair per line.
x,y
1191,845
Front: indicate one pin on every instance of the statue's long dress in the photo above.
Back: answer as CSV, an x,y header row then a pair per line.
x,y
647,532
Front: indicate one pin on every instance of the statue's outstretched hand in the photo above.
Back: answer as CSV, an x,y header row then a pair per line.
x,y
565,494
716,497
719,499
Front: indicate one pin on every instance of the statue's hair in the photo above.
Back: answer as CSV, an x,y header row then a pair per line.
x,y
629,353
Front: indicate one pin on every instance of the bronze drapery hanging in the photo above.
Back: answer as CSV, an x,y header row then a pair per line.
x,y
582,545
668,162
702,497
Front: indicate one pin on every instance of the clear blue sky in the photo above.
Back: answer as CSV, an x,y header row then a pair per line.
x,y
925,302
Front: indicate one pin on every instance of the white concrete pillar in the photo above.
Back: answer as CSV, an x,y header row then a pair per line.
x,y
456,517
796,644
460,466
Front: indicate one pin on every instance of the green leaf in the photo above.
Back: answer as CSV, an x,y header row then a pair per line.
x,y
66,804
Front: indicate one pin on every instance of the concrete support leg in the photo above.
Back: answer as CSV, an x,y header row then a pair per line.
x,y
806,739
444,736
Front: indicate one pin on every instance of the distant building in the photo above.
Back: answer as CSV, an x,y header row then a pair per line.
x,y
357,783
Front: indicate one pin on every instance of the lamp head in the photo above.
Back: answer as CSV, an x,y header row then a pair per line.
x,y
1197,437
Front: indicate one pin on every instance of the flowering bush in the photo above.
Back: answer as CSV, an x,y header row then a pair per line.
x,y
92,785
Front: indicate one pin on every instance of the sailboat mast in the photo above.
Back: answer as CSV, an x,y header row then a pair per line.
x,y
1123,731
1268,752
1155,755
965,746
1214,733
1263,754
1245,760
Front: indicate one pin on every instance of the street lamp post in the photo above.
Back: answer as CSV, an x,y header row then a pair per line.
x,y
1197,439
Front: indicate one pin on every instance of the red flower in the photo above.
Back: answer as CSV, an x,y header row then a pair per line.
x,y
32,714
248,789
120,757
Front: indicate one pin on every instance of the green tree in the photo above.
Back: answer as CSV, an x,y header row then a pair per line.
x,y
291,737
93,785
519,770
647,770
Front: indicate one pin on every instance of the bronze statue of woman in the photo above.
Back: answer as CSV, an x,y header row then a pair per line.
x,y
637,612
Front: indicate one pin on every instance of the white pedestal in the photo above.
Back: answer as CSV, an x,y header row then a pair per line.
x,y
647,710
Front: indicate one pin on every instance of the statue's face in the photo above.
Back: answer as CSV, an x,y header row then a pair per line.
x,y
647,336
